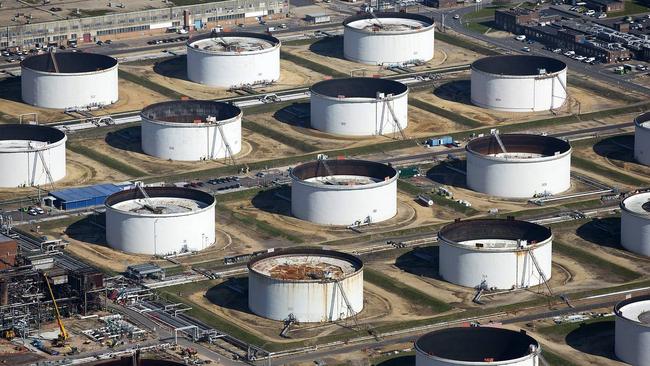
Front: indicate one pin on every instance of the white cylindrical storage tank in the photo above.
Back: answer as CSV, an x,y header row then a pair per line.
x,y
497,251
477,346
632,331
28,152
519,83
635,223
388,38
343,192
191,130
172,220
532,165
229,59
69,80
312,285
642,139
359,106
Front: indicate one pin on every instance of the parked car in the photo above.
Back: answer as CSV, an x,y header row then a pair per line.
x,y
520,37
526,49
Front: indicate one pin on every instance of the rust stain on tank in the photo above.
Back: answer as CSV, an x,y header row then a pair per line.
x,y
307,271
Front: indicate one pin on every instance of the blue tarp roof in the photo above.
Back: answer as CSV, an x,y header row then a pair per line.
x,y
85,193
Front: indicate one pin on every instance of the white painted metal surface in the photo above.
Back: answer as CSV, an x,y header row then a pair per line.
x,y
519,83
232,59
388,38
499,252
343,192
359,106
24,148
642,139
533,165
189,130
632,331
306,284
187,222
477,346
84,80
635,223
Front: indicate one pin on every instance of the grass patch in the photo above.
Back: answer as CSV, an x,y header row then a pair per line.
x,y
409,293
594,167
480,26
457,118
106,160
631,7
599,90
555,359
456,41
278,136
586,257
91,12
315,66
253,223
144,82
301,42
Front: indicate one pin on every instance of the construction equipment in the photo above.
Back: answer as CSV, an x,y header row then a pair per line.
x,y
63,334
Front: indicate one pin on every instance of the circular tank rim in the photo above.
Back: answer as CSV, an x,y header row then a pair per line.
x,y
524,230
275,41
154,192
492,335
525,143
356,261
430,23
368,168
618,309
642,118
26,63
365,89
635,197
23,132
517,66
234,112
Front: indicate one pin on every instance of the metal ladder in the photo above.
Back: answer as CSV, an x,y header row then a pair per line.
x,y
45,167
541,273
351,312
386,100
226,144
495,133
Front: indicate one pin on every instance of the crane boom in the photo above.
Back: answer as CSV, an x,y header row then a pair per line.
x,y
64,334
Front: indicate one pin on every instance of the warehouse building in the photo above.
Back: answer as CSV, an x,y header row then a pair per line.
x,y
82,197
117,24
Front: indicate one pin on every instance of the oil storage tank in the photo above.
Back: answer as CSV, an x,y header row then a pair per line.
x,y
343,192
310,285
359,106
233,59
66,80
31,155
167,220
642,139
388,38
477,346
632,331
495,253
191,130
519,83
530,165
635,223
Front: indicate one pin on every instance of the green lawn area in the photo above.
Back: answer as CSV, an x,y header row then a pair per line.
x,y
631,7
